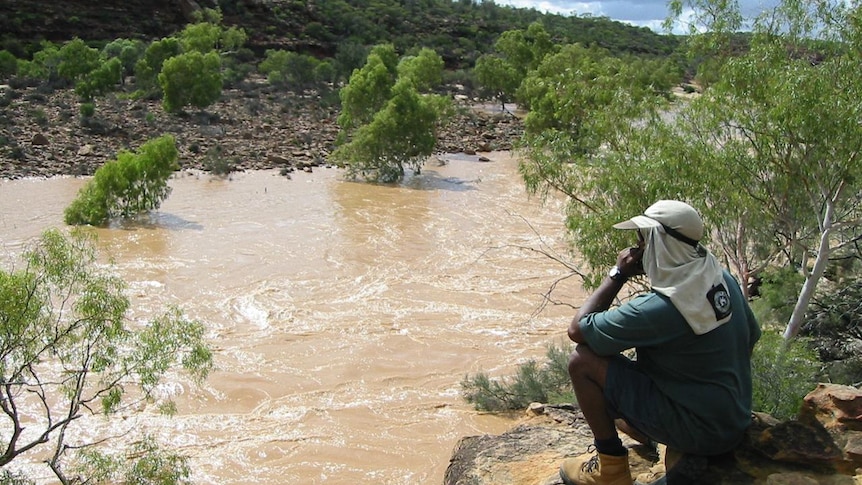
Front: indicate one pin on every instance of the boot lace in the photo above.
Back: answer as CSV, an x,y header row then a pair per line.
x,y
592,464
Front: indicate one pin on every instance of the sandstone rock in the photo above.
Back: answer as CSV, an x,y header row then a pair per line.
x,y
278,159
85,150
773,452
835,407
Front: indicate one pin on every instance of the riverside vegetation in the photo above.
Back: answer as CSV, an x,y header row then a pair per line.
x,y
777,183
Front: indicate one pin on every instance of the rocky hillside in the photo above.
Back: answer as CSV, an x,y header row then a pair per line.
x,y
253,126
32,20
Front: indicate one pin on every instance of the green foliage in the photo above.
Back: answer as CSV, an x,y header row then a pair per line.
x,y
348,57
369,88
516,53
100,80
191,79
39,117
11,478
77,60
837,312
207,34
290,69
44,63
547,383
783,372
128,51
387,124
87,109
424,70
8,64
147,69
497,77
129,185
66,342
402,134
778,292
217,163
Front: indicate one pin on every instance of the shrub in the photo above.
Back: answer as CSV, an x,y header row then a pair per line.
x,y
191,79
547,383
101,80
783,372
128,51
87,109
285,68
77,60
147,68
217,164
131,184
779,290
8,64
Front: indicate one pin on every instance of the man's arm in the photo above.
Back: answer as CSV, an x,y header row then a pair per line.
x,y
628,263
599,301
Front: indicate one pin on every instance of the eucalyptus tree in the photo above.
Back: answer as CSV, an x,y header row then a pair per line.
x,y
516,53
769,152
68,349
781,128
588,137
389,119
129,185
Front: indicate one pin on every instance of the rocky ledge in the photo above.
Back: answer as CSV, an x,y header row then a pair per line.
x,y
253,126
823,446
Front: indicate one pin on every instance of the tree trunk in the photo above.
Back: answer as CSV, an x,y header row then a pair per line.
x,y
823,252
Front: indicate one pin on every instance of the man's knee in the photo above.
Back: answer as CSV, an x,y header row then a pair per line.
x,y
583,361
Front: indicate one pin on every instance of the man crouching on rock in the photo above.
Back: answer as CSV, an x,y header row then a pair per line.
x,y
690,385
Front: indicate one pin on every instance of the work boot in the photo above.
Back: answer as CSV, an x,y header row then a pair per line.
x,y
596,469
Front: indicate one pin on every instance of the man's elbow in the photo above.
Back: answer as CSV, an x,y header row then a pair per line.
x,y
575,334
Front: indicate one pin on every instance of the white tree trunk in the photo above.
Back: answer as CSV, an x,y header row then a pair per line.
x,y
824,250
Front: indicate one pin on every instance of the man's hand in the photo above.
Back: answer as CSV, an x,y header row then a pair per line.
x,y
630,261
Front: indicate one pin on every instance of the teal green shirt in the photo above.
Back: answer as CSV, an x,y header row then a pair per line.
x,y
709,374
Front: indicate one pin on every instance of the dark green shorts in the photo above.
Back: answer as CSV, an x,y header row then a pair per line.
x,y
633,396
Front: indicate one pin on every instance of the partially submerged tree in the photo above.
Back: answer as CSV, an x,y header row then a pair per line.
x,y
67,349
127,186
387,122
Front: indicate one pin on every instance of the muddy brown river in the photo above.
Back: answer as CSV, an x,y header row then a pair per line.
x,y
343,315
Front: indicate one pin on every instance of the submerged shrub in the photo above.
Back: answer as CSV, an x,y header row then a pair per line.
x,y
131,184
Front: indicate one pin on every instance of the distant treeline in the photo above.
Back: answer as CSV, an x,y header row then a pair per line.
x,y
460,31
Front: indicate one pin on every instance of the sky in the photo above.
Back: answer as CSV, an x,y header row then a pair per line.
x,y
642,13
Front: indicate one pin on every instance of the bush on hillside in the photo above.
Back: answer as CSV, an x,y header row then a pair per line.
x,y
132,184
783,372
8,64
104,78
148,67
191,79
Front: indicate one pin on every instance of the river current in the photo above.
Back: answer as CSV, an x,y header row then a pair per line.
x,y
343,315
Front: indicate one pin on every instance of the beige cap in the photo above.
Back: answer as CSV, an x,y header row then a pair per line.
x,y
681,218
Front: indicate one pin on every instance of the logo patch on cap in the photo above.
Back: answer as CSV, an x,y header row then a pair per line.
x,y
719,299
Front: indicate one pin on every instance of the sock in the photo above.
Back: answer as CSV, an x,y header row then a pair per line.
x,y
611,446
